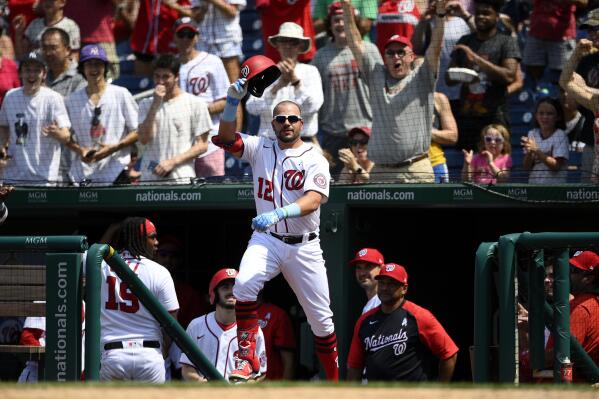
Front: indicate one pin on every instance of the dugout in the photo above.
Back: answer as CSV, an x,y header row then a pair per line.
x,y
433,230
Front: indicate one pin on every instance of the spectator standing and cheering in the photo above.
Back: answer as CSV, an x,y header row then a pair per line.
x,y
299,83
220,30
389,340
402,100
551,36
63,78
366,13
588,69
346,95
153,31
104,119
203,75
459,22
131,338
367,265
62,75
28,38
215,333
494,56
273,13
175,127
95,19
33,124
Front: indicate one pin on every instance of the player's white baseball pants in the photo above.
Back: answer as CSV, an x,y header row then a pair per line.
x,y
302,266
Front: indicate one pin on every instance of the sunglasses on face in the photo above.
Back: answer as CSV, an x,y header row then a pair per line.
x,y
284,40
96,117
356,142
490,139
186,34
401,53
291,118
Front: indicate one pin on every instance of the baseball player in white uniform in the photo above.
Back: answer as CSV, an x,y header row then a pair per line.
x,y
216,332
131,337
291,180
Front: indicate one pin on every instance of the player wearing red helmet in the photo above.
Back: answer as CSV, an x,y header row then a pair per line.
x,y
215,333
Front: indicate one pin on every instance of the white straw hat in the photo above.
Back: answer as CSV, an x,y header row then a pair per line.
x,y
292,30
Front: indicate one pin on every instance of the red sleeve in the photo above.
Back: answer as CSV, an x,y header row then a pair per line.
x,y
283,330
355,359
31,336
432,333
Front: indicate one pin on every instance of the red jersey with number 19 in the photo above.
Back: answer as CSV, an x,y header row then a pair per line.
x,y
283,176
123,316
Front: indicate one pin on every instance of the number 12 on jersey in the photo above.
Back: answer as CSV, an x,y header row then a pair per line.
x,y
264,189
131,304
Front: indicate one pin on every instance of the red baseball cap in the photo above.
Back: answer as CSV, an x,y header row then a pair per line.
x,y
394,271
587,261
360,129
336,8
369,255
400,40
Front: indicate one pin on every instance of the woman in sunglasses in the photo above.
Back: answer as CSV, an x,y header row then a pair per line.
x,y
493,163
357,166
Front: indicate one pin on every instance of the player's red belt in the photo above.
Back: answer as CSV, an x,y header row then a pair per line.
x,y
407,162
119,345
294,239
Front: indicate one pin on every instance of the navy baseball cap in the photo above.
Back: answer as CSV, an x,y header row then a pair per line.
x,y
92,52
185,23
32,56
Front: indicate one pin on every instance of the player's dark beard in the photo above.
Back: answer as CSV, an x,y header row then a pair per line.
x,y
225,305
287,139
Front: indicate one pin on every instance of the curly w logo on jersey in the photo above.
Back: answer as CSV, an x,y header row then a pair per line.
x,y
294,179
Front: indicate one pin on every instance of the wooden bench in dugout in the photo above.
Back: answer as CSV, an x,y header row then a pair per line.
x,y
23,294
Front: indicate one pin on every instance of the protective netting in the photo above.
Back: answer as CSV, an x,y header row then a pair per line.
x,y
390,91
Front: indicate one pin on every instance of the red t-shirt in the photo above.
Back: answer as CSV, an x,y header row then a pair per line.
x,y
552,20
18,7
274,12
95,19
584,326
153,30
390,345
278,334
395,17
9,77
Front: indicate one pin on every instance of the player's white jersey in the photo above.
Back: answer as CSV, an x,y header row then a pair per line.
x,y
123,316
283,176
220,345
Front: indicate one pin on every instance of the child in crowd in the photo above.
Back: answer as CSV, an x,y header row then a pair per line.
x,y
546,147
493,163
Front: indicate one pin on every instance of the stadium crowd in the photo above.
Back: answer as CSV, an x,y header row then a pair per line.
x,y
440,89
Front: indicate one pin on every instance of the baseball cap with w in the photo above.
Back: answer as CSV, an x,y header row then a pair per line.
x,y
368,255
394,271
